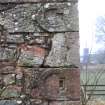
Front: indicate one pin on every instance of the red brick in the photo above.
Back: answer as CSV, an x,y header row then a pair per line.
x,y
35,92
52,86
37,51
71,84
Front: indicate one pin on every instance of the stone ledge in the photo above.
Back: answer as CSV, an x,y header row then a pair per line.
x,y
57,50
36,101
8,68
35,1
65,103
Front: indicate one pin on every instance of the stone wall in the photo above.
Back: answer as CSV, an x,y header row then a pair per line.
x,y
39,52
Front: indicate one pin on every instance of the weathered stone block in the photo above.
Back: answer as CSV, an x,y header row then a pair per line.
x,y
43,102
64,51
64,103
11,91
8,102
60,50
51,17
6,69
31,56
35,1
18,38
42,40
9,79
7,54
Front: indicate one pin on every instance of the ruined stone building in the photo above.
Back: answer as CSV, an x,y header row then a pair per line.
x,y
39,52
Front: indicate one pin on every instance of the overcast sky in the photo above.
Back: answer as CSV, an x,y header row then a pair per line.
x,y
88,11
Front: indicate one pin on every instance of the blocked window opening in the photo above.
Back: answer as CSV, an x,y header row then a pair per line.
x,y
62,83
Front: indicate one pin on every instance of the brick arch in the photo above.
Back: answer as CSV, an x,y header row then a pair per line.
x,y
47,73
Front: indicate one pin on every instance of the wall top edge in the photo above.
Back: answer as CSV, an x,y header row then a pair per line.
x,y
35,1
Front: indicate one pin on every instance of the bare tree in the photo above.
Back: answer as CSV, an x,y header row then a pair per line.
x,y
85,97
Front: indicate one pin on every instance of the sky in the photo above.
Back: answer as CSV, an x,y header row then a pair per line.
x,y
88,11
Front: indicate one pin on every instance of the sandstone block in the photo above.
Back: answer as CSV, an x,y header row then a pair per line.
x,y
8,102
11,91
7,54
51,17
31,56
64,51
